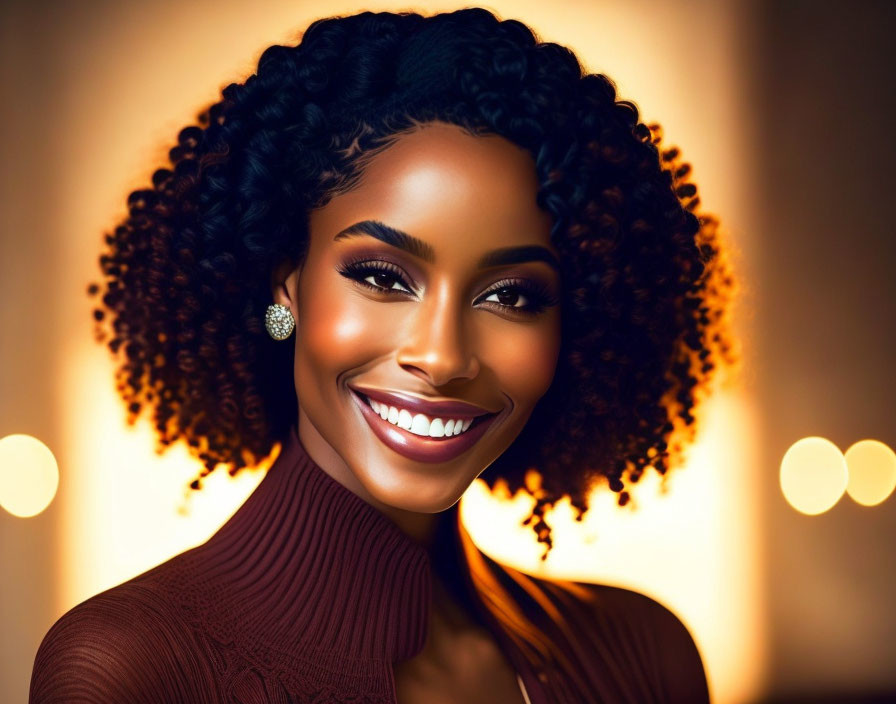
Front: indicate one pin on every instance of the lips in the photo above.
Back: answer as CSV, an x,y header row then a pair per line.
x,y
415,404
417,447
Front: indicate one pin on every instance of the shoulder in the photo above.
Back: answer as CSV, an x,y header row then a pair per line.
x,y
655,635
632,606
126,644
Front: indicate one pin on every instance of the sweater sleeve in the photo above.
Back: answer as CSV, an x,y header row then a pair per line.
x,y
664,646
680,664
117,646
638,649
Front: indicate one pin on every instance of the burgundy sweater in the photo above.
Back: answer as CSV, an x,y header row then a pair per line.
x,y
309,594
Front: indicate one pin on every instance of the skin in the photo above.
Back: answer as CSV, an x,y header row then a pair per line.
x,y
441,333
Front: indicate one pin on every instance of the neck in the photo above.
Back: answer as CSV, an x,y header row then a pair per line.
x,y
431,531
421,527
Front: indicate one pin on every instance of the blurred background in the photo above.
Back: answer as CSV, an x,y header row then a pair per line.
x,y
775,543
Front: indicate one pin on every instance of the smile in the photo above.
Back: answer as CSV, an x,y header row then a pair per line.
x,y
406,435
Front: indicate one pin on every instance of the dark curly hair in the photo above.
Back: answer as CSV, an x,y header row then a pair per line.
x,y
646,280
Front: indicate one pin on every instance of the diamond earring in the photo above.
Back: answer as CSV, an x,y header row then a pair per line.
x,y
279,321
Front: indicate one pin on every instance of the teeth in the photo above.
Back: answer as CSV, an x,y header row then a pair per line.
x,y
419,423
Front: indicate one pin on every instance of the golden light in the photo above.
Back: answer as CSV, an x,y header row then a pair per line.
x,y
29,475
689,540
872,471
813,475
140,510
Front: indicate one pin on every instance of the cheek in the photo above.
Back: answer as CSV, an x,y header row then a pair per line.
x,y
336,330
524,360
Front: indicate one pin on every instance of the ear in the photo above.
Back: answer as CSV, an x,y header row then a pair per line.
x,y
285,285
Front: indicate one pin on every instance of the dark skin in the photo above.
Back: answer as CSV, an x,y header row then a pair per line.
x,y
436,329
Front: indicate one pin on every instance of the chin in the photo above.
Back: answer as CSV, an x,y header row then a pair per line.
x,y
422,492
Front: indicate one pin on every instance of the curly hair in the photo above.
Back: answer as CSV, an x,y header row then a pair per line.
x,y
646,280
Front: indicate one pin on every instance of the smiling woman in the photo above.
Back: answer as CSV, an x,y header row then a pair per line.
x,y
491,267
402,310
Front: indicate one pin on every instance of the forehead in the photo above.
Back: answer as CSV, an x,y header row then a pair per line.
x,y
457,191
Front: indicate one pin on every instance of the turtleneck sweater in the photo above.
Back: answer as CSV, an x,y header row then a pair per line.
x,y
310,594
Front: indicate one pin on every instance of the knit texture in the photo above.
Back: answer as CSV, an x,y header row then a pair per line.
x,y
310,594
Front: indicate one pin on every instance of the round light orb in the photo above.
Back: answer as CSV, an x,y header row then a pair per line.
x,y
813,475
872,471
29,475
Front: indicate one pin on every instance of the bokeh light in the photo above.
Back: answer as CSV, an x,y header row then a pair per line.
x,y
872,471
813,475
29,475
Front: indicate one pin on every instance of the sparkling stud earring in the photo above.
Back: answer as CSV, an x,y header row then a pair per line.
x,y
279,321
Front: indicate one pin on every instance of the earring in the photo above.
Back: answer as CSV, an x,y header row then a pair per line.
x,y
279,321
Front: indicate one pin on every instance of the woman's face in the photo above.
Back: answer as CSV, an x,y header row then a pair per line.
x,y
461,307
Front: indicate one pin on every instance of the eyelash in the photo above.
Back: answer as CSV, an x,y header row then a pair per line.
x,y
537,294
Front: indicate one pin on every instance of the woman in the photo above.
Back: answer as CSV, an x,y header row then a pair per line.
x,y
490,267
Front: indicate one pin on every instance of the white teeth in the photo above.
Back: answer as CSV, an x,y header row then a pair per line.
x,y
419,423
436,428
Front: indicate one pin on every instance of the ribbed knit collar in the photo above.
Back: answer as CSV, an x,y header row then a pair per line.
x,y
307,574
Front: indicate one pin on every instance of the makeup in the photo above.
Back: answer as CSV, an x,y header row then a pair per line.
x,y
459,333
417,447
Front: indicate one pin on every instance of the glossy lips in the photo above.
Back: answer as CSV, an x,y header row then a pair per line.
x,y
415,404
417,447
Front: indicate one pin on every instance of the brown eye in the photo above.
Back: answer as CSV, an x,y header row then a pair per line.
x,y
376,275
520,296
507,296
383,280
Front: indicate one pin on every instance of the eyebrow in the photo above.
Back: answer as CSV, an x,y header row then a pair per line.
x,y
423,250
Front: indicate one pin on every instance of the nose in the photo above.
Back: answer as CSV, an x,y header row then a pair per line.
x,y
436,345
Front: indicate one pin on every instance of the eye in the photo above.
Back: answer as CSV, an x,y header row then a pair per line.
x,y
520,296
377,275
514,296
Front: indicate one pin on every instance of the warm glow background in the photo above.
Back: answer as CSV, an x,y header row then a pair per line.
x,y
784,111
